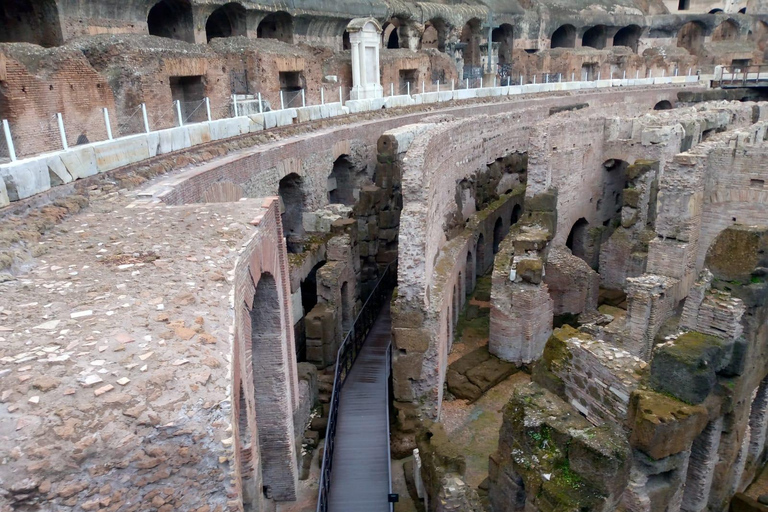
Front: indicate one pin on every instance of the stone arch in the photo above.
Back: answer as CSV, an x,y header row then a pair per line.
x,y
504,35
517,211
471,34
271,384
726,31
226,21
760,33
292,196
469,274
277,25
172,19
30,21
435,34
577,239
498,235
663,105
341,182
595,37
628,36
715,11
480,256
691,36
564,37
390,37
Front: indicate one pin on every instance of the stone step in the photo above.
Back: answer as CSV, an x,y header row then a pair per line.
x,y
324,397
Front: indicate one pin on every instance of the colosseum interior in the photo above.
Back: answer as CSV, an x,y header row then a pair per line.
x,y
350,256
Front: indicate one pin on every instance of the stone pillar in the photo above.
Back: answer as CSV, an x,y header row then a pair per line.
x,y
701,467
365,38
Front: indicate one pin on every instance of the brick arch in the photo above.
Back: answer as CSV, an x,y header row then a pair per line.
x,y
30,21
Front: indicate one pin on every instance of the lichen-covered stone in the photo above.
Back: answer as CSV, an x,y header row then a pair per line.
x,y
686,368
737,251
662,426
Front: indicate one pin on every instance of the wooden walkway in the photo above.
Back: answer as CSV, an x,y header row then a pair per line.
x,y
360,481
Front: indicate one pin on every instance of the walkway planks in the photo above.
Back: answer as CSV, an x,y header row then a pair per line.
x,y
360,481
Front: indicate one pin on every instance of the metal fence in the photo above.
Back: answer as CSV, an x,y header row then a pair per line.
x,y
747,76
345,358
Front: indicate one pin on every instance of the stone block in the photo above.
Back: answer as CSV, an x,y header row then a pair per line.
x,y
199,133
460,387
398,101
153,143
120,152
686,368
530,270
80,162
226,128
632,197
4,199
662,426
490,372
57,171
25,178
410,340
256,123
173,139
543,202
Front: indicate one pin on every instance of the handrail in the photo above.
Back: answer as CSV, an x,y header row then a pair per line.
x,y
741,77
389,449
345,358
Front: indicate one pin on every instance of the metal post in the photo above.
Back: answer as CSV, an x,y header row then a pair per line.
x,y
9,140
422,87
508,80
481,82
392,88
303,99
261,108
664,73
599,75
146,119
208,108
676,70
546,78
234,104
637,75
408,88
106,122
178,112
573,77
438,86
560,77
451,84
341,95
534,79
322,95
467,79
282,102
62,132
689,71
494,81
624,75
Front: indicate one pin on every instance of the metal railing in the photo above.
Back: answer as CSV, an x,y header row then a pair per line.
x,y
389,458
345,358
744,77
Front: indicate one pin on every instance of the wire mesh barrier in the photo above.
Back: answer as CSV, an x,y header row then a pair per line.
x,y
348,351
26,137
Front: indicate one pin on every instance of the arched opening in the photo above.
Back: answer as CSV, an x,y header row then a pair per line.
x,y
628,36
726,31
291,204
345,42
577,239
30,21
743,10
172,19
516,212
760,34
564,37
271,384
308,287
595,37
389,36
469,274
663,105
691,36
498,235
341,182
505,37
346,309
278,25
715,11
471,34
246,450
480,256
226,21
435,34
